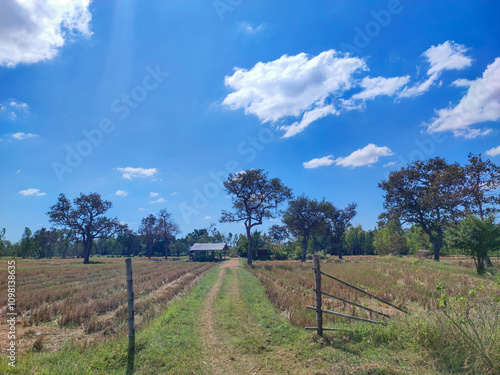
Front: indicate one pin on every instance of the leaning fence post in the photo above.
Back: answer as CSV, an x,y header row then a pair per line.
x,y
319,311
131,328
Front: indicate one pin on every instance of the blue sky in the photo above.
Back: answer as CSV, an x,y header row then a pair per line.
x,y
151,104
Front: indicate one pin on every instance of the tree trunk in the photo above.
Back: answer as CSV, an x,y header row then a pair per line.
x,y
250,245
149,249
487,260
166,250
339,250
480,265
305,240
87,249
437,244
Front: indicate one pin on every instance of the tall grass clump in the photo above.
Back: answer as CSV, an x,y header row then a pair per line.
x,y
464,330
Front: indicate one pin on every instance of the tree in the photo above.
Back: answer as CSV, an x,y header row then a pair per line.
x,y
27,245
86,218
390,238
5,245
476,237
357,241
128,242
148,230
45,241
336,222
166,228
304,217
278,233
416,239
255,197
482,181
427,193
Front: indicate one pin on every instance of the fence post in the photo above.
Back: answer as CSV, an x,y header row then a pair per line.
x,y
131,328
319,311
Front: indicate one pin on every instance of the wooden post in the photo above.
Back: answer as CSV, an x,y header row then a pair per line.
x,y
131,328
319,311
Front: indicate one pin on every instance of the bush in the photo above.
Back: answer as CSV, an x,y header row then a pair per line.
x,y
280,254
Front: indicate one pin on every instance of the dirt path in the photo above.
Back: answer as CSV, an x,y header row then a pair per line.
x,y
221,358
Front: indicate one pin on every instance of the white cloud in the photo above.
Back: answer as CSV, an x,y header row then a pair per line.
x,y
142,209
130,172
121,193
366,156
174,193
12,108
35,192
494,151
293,86
153,194
446,56
377,86
20,136
390,163
319,162
159,200
480,104
19,105
247,28
308,118
35,30
207,217
461,82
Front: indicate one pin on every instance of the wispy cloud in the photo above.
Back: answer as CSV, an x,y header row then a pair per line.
x,y
159,200
390,164
34,192
153,194
494,151
174,193
207,217
247,28
21,136
19,105
130,172
319,162
121,193
378,86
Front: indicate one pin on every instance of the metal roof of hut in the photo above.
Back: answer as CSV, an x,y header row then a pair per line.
x,y
209,246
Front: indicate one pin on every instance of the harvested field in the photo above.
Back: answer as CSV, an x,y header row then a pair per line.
x,y
60,299
405,282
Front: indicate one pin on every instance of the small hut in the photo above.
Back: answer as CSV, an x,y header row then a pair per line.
x,y
208,251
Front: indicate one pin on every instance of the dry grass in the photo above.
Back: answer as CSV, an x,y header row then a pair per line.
x,y
62,298
405,282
